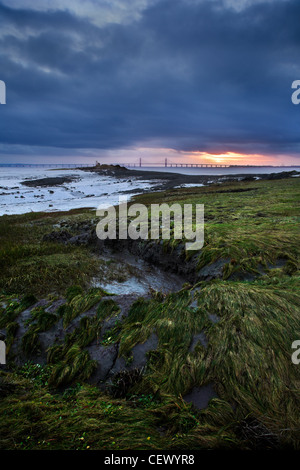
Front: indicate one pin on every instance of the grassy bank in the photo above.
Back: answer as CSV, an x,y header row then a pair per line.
x,y
249,316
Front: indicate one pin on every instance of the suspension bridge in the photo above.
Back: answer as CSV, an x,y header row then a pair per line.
x,y
140,163
170,164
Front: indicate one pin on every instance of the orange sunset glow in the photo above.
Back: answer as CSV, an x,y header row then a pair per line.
x,y
232,158
156,156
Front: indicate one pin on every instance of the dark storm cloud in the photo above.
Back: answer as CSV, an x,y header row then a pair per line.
x,y
187,75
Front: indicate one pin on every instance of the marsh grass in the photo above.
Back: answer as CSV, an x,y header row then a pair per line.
x,y
175,323
39,322
70,360
34,418
252,228
30,265
81,303
73,363
248,357
13,308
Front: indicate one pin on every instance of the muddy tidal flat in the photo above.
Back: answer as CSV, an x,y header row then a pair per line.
x,y
140,344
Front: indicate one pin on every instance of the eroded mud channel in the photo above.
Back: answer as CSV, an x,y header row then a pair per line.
x,y
126,274
94,325
129,297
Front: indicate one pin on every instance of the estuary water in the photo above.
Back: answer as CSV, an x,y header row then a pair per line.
x,y
86,190
89,189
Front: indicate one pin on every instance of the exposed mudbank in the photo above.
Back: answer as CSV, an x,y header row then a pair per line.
x,y
173,180
164,258
171,260
145,268
45,182
142,278
111,364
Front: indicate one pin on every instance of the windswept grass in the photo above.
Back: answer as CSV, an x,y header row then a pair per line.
x,y
13,308
248,357
85,419
75,363
30,265
254,224
70,360
40,321
175,324
80,303
249,353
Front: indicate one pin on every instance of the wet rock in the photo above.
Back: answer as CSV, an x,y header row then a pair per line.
x,y
140,351
23,320
214,318
55,305
139,356
194,304
124,302
199,337
200,396
118,366
46,340
280,262
106,357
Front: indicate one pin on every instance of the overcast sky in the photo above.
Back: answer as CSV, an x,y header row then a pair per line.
x,y
116,79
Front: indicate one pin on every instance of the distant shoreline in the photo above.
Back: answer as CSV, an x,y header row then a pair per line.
x,y
171,180
166,180
25,190
68,166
